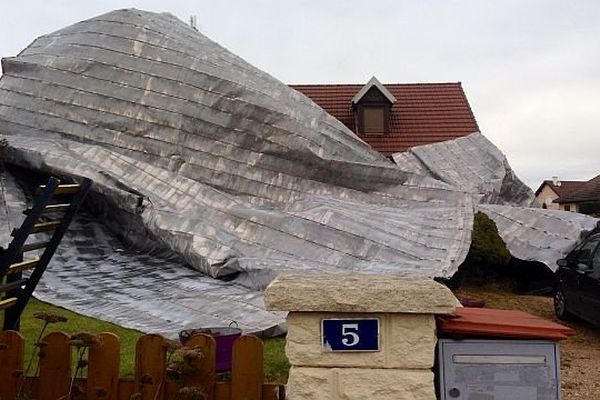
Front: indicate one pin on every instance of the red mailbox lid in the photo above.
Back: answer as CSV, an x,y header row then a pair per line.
x,y
469,321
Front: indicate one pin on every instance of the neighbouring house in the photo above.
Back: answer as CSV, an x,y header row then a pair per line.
x,y
551,190
395,117
584,199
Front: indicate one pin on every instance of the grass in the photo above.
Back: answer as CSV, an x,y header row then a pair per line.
x,y
275,362
275,365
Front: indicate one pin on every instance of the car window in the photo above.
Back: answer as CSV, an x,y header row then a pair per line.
x,y
586,253
595,274
572,256
596,259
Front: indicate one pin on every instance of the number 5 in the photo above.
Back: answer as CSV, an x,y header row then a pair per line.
x,y
350,338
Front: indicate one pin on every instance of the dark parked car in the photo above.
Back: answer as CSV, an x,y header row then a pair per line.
x,y
578,282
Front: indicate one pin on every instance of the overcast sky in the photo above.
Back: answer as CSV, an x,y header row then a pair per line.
x,y
530,69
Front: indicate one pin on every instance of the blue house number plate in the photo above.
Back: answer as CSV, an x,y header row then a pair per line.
x,y
350,334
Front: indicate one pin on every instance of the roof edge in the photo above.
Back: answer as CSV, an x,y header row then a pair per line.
x,y
588,191
469,105
544,183
387,84
373,82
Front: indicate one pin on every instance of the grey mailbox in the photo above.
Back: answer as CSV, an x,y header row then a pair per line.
x,y
498,370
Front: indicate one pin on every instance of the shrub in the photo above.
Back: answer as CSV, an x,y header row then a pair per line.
x,y
487,247
488,255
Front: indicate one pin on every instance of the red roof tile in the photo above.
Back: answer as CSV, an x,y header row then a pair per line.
x,y
587,191
563,189
424,113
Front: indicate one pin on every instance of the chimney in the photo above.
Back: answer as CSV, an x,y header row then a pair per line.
x,y
193,22
555,181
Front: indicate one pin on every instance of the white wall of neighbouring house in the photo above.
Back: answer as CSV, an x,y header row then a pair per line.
x,y
546,196
573,207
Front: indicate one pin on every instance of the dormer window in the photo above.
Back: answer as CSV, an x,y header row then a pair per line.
x,y
372,108
374,119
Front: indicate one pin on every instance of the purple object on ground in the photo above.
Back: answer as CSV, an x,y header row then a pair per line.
x,y
224,337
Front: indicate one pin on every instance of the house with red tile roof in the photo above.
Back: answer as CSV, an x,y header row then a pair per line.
x,y
584,199
550,190
395,117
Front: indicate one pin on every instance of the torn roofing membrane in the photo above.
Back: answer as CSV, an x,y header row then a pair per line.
x,y
475,165
200,159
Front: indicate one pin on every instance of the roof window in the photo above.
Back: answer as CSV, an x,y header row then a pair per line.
x,y
372,108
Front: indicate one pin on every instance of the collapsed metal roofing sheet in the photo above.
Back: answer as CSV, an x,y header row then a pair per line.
x,y
476,166
471,163
535,234
199,158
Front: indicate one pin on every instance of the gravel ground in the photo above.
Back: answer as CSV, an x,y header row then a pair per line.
x,y
580,358
580,354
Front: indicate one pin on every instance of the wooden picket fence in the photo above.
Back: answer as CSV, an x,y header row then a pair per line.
x,y
55,376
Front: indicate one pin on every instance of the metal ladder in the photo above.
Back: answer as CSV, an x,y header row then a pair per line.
x,y
15,291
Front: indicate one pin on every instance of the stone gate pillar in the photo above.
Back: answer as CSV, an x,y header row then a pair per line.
x,y
358,337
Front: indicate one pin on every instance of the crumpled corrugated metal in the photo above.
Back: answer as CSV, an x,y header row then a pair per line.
x,y
211,177
475,165
197,154
535,234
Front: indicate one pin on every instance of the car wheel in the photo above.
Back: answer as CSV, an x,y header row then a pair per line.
x,y
560,305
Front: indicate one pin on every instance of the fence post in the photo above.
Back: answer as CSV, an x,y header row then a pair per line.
x,y
247,369
12,353
222,391
271,392
55,366
150,367
205,376
103,370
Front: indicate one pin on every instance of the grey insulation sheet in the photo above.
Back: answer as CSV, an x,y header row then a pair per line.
x,y
472,164
475,165
535,234
195,154
211,177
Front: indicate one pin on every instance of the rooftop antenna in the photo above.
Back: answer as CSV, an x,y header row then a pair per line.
x,y
193,22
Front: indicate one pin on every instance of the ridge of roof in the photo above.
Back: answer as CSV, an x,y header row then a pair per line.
x,y
384,84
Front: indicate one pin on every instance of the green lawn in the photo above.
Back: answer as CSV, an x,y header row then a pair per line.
x,y
275,361
276,364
